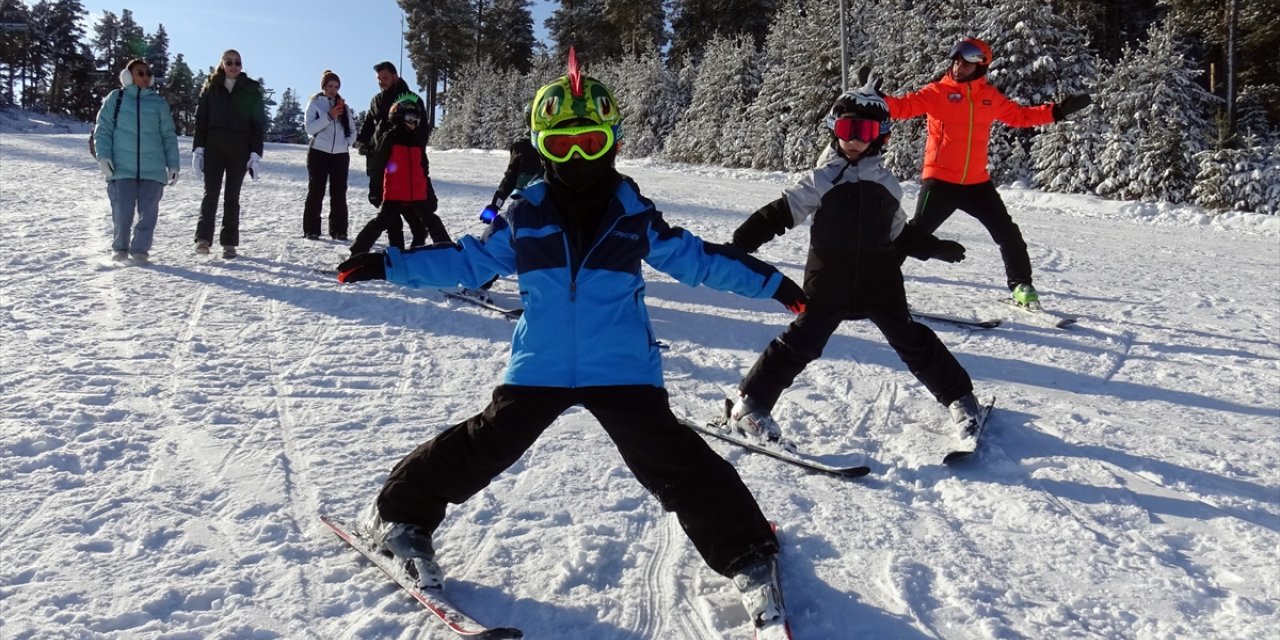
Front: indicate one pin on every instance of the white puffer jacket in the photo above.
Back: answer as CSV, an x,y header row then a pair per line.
x,y
326,133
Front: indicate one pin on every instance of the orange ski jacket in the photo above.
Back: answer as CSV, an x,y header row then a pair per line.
x,y
959,121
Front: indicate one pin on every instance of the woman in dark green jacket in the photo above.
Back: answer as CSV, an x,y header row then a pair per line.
x,y
230,122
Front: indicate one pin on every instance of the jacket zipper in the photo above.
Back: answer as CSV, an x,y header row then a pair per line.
x,y
968,141
138,131
574,268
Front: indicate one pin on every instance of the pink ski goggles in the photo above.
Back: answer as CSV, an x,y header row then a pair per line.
x,y
850,129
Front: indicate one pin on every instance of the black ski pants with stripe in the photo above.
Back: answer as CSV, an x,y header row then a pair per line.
x,y
804,339
938,200
714,507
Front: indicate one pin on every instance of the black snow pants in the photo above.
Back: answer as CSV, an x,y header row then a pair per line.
x,y
331,169
714,507
421,223
938,200
804,339
226,153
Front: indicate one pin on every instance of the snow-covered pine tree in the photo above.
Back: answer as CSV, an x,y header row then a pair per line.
x,y
725,83
1155,107
288,123
1039,57
800,80
648,94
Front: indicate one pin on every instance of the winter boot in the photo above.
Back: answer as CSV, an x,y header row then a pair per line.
x,y
758,585
202,247
1025,295
409,544
228,251
140,258
964,416
120,256
754,422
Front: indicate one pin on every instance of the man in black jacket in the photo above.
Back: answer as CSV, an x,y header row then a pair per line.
x,y
391,87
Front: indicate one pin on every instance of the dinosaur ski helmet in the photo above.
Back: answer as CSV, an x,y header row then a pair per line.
x,y
574,115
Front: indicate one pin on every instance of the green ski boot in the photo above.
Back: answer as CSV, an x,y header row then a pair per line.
x,y
1025,295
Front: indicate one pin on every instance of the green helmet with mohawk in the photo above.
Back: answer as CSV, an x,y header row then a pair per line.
x,y
574,106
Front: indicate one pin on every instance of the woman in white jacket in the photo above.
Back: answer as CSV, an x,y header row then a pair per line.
x,y
332,130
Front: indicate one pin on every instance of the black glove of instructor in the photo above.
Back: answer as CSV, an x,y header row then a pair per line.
x,y
1070,105
363,266
790,295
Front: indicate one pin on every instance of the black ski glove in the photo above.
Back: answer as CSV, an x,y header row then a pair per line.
x,y
790,295
375,199
948,251
363,266
1070,105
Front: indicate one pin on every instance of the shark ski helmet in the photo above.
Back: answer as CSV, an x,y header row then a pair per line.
x,y
860,114
574,116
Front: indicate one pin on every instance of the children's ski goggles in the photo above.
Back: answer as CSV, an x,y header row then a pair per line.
x,y
969,52
589,143
850,129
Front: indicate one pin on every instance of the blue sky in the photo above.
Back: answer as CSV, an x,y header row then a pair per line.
x,y
286,43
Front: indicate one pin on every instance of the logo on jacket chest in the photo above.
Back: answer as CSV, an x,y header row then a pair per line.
x,y
625,235
954,97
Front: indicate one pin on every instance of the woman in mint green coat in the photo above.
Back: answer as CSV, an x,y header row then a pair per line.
x,y
137,151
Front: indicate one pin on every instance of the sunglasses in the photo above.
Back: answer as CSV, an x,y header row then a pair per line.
x,y
850,129
589,143
231,63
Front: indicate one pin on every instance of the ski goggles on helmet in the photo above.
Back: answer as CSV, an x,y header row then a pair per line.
x,y
850,129
969,52
411,118
589,142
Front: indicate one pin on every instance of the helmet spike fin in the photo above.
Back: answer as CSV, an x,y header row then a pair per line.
x,y
575,74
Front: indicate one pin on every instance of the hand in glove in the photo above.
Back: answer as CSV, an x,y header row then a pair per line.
x,y
375,199
362,148
106,167
173,176
197,161
363,266
488,214
252,165
1070,105
948,251
790,295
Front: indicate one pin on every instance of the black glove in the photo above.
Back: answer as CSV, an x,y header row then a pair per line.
x,y
790,295
375,199
948,251
363,266
362,148
1070,105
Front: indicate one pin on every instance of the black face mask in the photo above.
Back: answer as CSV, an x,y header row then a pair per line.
x,y
579,174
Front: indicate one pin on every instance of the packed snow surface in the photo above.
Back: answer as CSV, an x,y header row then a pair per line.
x,y
171,433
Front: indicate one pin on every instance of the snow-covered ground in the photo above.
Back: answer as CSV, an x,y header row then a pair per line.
x,y
171,433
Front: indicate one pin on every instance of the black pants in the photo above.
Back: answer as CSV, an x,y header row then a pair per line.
x,y
712,504
803,341
938,200
229,157
330,168
421,223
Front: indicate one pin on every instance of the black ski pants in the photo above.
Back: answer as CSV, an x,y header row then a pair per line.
x,y
804,339
714,507
226,154
331,169
938,200
421,223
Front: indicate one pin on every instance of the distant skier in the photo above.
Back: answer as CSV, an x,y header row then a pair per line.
x,y
584,339
856,248
961,107
407,189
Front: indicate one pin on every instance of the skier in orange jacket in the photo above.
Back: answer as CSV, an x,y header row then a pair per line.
x,y
961,107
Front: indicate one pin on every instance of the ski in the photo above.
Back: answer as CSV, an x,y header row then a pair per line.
x,y
960,320
1043,316
435,601
721,431
966,447
510,314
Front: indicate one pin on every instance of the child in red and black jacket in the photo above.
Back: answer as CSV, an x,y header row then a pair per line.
x,y
406,183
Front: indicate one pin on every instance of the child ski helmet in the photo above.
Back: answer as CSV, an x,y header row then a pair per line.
x,y
974,51
406,109
577,103
862,104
